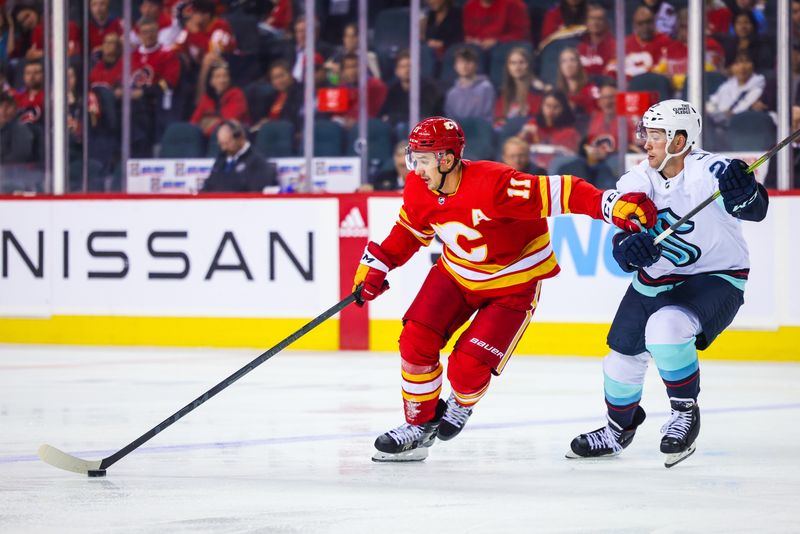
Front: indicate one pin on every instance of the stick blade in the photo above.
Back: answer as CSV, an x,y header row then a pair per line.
x,y
67,462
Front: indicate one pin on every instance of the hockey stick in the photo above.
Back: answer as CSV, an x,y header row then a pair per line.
x,y
97,468
753,166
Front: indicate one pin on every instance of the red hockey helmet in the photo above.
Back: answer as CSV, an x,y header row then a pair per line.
x,y
437,135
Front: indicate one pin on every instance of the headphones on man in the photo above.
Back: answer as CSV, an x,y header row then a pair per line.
x,y
237,130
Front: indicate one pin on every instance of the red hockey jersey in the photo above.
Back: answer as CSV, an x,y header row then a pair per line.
x,y
149,66
494,227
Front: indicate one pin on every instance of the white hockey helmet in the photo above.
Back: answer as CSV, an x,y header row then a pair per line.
x,y
672,116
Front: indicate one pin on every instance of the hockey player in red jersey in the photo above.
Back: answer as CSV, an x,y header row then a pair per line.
x,y
492,221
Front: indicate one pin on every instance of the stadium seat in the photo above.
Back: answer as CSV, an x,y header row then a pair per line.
x,y
751,130
257,94
379,143
548,58
183,140
478,134
391,30
711,79
328,138
650,81
497,59
511,128
275,138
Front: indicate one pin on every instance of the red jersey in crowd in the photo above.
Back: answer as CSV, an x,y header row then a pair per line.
x,y
552,22
106,75
718,20
30,106
73,38
641,57
603,127
149,66
376,95
218,38
596,58
504,20
677,58
585,99
495,213
97,32
232,105
534,101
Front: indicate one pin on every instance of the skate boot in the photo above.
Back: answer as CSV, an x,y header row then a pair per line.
x,y
453,420
681,431
408,443
606,441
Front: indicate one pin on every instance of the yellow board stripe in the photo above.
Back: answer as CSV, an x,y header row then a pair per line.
x,y
544,195
423,377
422,398
589,339
168,331
566,190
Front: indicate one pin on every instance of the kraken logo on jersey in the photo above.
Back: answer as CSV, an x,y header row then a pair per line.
x,y
679,252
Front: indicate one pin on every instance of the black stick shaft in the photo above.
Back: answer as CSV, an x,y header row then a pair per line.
x,y
138,442
753,166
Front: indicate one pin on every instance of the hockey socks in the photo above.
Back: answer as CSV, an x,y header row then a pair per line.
x,y
679,368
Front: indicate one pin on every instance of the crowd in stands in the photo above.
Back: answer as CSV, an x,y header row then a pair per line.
x,y
532,82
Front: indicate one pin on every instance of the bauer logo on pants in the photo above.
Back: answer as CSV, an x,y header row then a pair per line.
x,y
484,345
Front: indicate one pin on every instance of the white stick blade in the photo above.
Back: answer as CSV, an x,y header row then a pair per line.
x,y
67,462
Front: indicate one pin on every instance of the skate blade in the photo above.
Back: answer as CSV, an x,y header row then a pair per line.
x,y
572,456
674,459
414,455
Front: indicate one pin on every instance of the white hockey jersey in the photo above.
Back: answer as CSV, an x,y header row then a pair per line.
x,y
710,243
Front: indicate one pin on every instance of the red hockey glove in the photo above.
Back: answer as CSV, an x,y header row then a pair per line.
x,y
371,274
619,209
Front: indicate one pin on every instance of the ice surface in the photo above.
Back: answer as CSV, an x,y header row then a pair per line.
x,y
288,447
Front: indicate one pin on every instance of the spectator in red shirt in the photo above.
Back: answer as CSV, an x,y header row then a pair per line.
x,y
30,102
488,22
220,101
718,17
598,48
644,48
574,82
602,138
168,29
101,23
376,92
676,61
521,91
567,19
553,127
25,19
29,20
108,71
204,39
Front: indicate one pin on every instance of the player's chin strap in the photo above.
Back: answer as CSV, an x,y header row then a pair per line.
x,y
444,174
670,155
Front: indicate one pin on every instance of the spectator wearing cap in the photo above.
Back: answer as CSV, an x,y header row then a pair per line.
x,y
221,101
16,139
472,94
488,22
239,167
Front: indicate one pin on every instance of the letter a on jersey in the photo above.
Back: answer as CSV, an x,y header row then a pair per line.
x,y
478,216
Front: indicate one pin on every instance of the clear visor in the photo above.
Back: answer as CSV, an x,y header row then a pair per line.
x,y
643,135
417,159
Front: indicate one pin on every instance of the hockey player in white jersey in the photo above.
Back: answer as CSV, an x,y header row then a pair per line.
x,y
685,291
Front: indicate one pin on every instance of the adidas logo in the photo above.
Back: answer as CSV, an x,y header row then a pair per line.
x,y
353,225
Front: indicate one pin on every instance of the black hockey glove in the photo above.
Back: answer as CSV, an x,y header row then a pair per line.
x,y
737,187
635,251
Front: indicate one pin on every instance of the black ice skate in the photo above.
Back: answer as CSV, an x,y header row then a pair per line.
x,y
681,431
408,443
453,420
606,441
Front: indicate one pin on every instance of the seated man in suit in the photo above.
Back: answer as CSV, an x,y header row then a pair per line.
x,y
239,167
